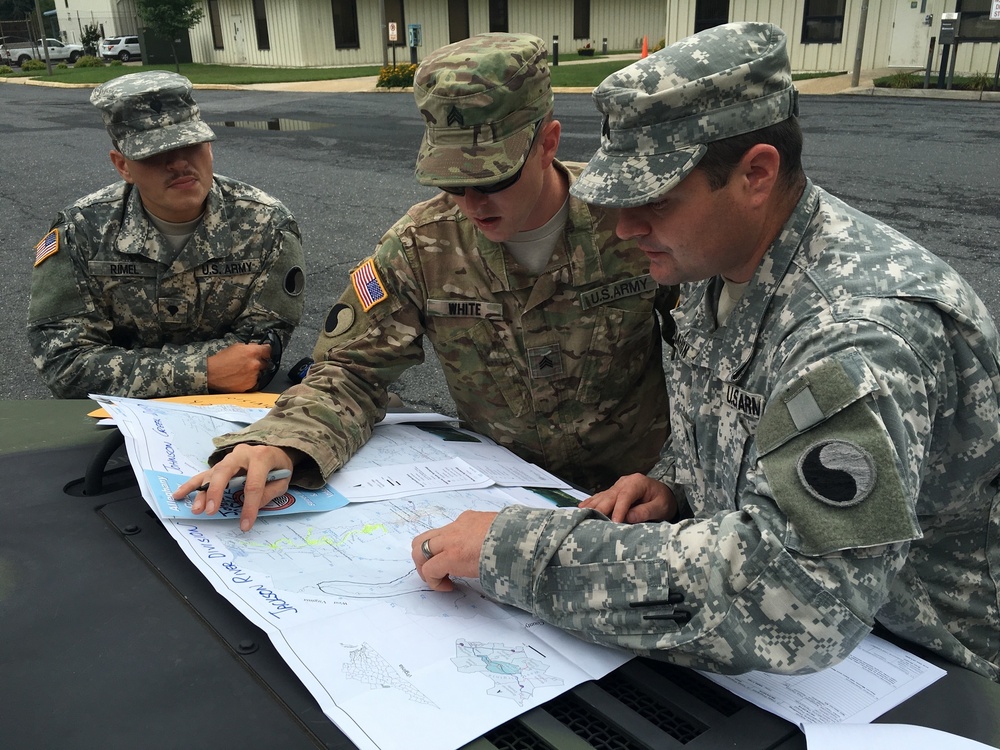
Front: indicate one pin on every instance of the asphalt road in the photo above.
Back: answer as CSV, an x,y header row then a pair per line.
x,y
343,164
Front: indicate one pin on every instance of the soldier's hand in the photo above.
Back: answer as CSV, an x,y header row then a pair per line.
x,y
451,550
634,499
235,369
253,460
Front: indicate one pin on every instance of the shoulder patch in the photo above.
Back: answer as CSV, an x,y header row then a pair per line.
x,y
339,320
47,246
368,285
839,485
837,472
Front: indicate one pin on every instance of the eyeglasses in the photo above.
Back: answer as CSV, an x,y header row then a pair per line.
x,y
503,184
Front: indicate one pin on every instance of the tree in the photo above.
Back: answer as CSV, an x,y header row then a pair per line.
x,y
167,19
90,37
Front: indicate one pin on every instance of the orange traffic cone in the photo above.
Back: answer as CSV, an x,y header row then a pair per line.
x,y
645,47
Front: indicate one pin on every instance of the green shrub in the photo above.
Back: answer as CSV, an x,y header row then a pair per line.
x,y
115,64
30,65
400,76
979,82
6,70
89,61
903,80
62,66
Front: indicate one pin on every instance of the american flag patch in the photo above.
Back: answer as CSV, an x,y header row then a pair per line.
x,y
368,285
49,245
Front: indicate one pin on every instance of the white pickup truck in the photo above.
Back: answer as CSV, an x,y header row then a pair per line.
x,y
18,51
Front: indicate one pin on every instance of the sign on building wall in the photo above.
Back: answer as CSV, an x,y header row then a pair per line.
x,y
995,10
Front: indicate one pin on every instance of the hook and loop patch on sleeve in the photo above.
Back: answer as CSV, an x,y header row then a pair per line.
x,y
831,465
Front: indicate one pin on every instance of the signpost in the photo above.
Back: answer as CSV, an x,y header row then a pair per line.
x,y
393,38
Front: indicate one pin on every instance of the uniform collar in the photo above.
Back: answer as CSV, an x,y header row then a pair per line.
x,y
138,235
576,252
730,347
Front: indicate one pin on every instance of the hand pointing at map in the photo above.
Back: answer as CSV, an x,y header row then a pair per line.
x,y
451,551
253,460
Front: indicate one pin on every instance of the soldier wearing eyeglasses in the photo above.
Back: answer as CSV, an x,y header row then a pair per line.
x,y
542,318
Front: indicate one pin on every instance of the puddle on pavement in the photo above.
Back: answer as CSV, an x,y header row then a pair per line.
x,y
278,123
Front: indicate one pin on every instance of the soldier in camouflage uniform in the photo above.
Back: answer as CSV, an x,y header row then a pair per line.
x,y
835,417
542,318
175,281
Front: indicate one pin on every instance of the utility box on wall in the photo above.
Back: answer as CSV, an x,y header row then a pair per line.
x,y
157,51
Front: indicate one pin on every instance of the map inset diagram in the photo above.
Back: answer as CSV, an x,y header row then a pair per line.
x,y
514,674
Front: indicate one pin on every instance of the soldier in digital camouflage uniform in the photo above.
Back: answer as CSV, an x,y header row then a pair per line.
x,y
542,318
169,282
835,435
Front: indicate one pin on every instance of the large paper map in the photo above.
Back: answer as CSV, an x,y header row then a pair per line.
x,y
338,594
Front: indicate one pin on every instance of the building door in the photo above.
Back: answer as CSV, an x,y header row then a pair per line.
x,y
239,39
458,20
911,35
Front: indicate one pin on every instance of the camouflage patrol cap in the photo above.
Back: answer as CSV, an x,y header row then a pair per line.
x,y
480,99
150,112
661,111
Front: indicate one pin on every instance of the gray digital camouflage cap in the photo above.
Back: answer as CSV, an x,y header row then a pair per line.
x,y
661,111
480,99
150,112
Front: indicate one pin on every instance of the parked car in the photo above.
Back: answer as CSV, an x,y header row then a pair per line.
x,y
122,47
59,50
14,50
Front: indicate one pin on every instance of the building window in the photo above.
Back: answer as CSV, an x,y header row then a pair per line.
x,y
260,22
498,16
394,11
974,25
216,22
581,19
345,24
710,13
823,22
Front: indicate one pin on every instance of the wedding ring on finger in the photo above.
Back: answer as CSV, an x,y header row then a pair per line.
x,y
425,547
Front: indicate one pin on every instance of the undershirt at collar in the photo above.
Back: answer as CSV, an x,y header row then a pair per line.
x,y
728,297
177,233
532,249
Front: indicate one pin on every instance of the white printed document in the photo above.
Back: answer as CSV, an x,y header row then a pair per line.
x,y
876,676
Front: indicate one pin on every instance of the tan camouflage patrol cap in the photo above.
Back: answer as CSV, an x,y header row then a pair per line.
x,y
661,111
150,112
480,99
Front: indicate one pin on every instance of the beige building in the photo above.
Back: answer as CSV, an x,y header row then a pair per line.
x,y
111,17
823,34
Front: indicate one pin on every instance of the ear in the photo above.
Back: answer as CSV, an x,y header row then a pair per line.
x,y
759,169
548,142
121,164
